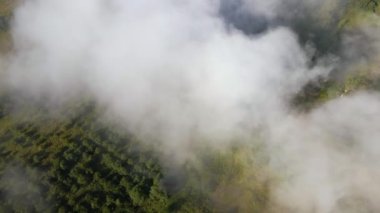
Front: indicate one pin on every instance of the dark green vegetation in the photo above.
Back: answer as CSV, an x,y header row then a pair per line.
x,y
70,161
316,93
371,5
359,77
6,8
73,164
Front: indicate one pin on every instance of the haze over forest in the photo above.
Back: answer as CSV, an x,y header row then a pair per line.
x,y
190,106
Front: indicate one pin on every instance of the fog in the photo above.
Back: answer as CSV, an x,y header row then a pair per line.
x,y
178,73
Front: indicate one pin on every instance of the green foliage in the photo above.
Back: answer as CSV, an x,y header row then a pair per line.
x,y
359,12
317,93
73,163
6,9
235,179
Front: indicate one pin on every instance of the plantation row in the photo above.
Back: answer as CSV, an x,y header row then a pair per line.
x,y
73,164
69,160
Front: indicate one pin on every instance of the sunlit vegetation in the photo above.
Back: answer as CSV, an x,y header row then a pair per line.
x,y
359,11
